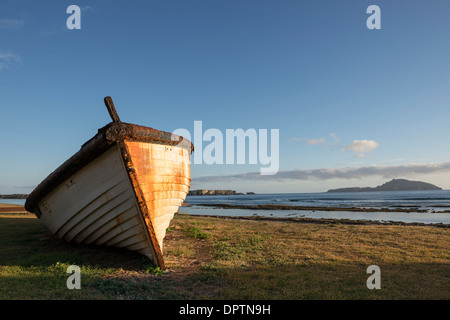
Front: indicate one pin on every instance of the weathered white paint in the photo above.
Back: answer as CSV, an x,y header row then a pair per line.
x,y
98,205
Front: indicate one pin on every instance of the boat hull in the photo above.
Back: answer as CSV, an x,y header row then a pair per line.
x,y
121,189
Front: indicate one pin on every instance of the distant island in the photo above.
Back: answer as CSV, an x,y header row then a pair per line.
x,y
203,192
393,185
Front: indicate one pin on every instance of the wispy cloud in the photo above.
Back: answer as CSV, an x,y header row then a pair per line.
x,y
11,23
8,59
335,137
359,147
310,141
407,170
87,9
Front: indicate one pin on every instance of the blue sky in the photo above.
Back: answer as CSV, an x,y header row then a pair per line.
x,y
311,69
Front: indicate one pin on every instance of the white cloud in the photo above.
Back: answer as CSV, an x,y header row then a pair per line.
x,y
360,147
8,59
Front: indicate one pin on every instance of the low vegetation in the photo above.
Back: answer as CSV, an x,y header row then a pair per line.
x,y
216,258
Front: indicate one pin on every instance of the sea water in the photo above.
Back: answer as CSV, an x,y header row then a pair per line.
x,y
434,202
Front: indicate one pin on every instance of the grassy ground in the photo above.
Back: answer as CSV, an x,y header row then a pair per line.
x,y
214,258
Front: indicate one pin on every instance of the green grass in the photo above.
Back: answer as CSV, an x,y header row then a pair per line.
x,y
33,265
196,233
278,260
212,258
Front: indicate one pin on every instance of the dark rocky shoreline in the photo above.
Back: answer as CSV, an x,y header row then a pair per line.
x,y
207,192
324,220
311,208
13,196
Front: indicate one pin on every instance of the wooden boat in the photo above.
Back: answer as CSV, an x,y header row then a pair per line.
x,y
122,188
